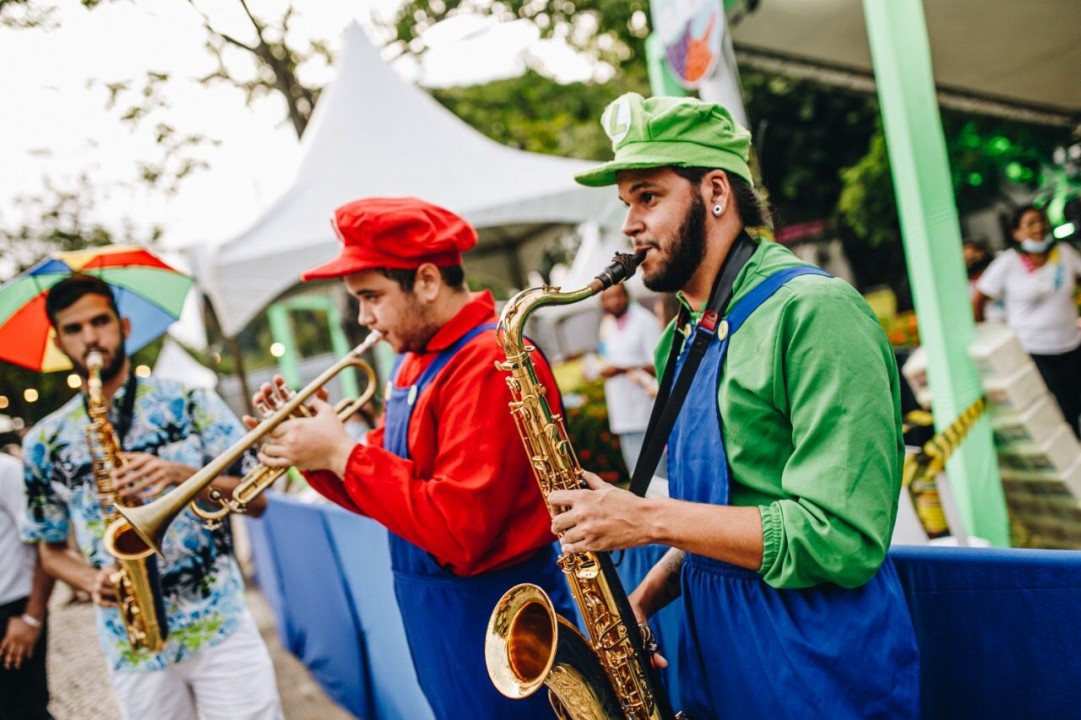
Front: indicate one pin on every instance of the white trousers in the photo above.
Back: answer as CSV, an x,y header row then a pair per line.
x,y
233,680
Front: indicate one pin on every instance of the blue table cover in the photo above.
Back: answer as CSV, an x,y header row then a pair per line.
x,y
998,630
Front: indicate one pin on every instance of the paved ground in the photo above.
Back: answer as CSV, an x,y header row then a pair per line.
x,y
80,687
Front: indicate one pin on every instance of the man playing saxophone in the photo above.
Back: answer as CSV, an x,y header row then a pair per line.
x,y
214,663
784,462
444,470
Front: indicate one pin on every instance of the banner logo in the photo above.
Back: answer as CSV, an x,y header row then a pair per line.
x,y
690,31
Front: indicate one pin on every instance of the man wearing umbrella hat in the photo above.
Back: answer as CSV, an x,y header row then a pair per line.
x,y
214,662
444,470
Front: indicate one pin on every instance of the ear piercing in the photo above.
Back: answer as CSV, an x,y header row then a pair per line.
x,y
718,209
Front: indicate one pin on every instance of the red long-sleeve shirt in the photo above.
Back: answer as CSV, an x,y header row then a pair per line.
x,y
467,495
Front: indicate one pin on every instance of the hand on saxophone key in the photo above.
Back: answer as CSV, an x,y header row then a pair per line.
x,y
102,592
145,476
600,518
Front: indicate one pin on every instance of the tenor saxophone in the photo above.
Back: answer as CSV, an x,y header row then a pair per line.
x,y
610,674
137,584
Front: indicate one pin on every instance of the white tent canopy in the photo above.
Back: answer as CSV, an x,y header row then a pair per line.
x,y
375,135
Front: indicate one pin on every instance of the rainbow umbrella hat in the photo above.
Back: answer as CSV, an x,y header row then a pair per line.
x,y
148,292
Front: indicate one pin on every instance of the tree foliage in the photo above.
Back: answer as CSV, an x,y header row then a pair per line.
x,y
610,32
543,115
820,150
59,220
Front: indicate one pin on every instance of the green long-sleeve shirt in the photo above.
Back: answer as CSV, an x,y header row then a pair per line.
x,y
810,410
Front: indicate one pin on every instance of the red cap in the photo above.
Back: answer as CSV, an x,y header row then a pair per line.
x,y
397,233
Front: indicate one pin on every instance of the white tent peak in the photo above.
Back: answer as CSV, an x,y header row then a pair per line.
x,y
374,135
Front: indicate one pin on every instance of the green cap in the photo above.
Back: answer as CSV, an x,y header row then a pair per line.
x,y
670,132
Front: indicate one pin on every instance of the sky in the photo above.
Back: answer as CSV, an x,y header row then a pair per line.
x,y
55,124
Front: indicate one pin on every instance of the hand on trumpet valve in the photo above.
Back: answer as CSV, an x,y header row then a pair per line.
x,y
316,440
272,396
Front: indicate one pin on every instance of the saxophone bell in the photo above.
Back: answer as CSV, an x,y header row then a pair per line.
x,y
608,674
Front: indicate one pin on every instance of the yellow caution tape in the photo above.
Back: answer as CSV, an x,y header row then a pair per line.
x,y
921,469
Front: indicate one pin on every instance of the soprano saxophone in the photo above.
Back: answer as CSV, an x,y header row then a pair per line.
x,y
610,674
137,585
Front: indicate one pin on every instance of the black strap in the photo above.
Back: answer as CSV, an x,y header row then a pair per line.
x,y
670,399
123,423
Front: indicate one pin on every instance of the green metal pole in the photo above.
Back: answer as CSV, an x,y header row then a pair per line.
x,y
901,53
347,378
278,317
281,331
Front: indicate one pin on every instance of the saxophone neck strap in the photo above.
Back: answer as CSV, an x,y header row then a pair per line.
x,y
670,397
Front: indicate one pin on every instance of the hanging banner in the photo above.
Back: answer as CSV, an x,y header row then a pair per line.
x,y
690,31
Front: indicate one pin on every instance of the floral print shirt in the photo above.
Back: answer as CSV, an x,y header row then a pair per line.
x,y
200,582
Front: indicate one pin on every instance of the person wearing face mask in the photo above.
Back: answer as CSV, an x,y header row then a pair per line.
x,y
1037,282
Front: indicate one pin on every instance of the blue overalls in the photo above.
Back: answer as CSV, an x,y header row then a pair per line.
x,y
749,650
446,616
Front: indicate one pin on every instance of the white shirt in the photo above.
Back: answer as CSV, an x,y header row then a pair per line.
x,y
1039,304
16,557
628,342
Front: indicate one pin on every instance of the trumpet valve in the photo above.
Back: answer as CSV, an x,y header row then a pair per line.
x,y
280,395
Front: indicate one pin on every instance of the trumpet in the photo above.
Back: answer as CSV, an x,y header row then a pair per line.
x,y
141,530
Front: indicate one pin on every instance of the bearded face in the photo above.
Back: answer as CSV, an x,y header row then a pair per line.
x,y
90,324
683,256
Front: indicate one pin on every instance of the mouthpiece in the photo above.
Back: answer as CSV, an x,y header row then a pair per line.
x,y
94,360
622,267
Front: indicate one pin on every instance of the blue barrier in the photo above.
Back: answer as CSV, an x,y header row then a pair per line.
x,y
326,575
266,574
997,629
321,626
361,547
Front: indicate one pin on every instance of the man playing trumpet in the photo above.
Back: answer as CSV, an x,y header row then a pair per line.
x,y
214,663
444,470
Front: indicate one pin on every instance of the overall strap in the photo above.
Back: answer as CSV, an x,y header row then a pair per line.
x,y
763,291
442,359
670,399
657,434
400,401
